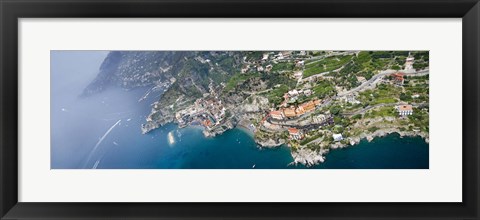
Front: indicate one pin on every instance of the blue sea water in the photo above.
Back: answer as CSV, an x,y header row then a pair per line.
x,y
103,132
389,152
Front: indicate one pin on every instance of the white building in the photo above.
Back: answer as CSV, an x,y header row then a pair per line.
x,y
351,99
409,63
293,93
337,137
298,74
265,56
405,110
319,118
268,68
300,63
286,54
280,56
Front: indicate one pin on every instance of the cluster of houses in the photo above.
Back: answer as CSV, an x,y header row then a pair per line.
x,y
207,112
297,134
293,95
293,111
201,59
283,55
212,109
259,65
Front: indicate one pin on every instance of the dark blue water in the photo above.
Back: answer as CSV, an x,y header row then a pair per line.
x,y
391,151
103,132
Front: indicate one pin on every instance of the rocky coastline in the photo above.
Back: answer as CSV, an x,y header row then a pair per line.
x,y
380,133
152,125
303,156
270,143
310,158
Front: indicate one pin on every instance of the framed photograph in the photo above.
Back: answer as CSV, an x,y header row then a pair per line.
x,y
225,109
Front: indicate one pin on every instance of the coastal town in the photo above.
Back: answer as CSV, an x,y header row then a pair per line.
x,y
310,101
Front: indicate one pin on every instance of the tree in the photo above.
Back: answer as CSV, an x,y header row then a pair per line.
x,y
335,110
404,97
368,75
373,129
396,67
357,116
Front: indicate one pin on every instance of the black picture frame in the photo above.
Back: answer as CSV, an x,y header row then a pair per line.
x,y
12,10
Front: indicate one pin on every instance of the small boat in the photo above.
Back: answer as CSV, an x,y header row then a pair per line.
x,y
254,165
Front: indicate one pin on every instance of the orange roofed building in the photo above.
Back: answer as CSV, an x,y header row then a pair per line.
x,y
207,123
307,107
398,78
289,112
295,134
277,115
405,110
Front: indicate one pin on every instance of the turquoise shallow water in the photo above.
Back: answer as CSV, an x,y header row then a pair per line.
x,y
103,132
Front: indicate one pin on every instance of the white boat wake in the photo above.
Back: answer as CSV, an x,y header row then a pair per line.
x,y
100,141
96,164
171,139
